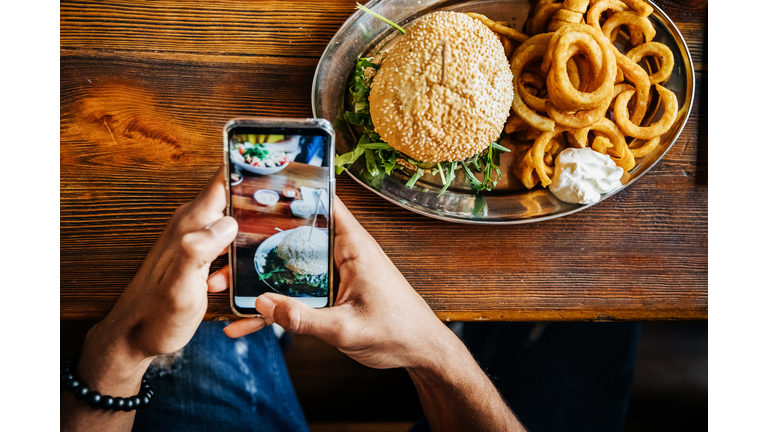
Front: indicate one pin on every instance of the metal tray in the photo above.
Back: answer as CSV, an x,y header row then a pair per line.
x,y
509,202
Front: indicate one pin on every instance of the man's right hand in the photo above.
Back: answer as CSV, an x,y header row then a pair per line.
x,y
378,319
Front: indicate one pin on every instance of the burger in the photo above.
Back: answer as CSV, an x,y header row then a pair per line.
x,y
434,102
298,265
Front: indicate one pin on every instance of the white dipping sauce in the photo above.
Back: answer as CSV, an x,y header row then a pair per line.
x,y
266,197
581,175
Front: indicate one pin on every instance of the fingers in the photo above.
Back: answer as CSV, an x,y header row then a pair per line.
x,y
219,280
352,240
246,326
345,222
205,245
214,194
297,317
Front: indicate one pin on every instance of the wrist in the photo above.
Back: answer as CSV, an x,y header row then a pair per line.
x,y
108,363
444,352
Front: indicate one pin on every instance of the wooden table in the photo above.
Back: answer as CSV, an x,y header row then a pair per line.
x,y
146,88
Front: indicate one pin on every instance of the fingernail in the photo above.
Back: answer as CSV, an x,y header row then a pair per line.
x,y
224,227
266,304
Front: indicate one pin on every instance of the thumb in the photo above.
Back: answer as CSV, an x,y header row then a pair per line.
x,y
206,245
295,316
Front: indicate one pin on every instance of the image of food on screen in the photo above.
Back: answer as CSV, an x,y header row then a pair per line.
x,y
279,194
296,263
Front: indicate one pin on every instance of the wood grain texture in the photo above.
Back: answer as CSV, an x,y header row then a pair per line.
x,y
146,88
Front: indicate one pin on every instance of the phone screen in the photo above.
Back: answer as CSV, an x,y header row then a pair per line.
x,y
280,193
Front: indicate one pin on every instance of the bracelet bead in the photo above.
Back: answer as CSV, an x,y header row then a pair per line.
x,y
106,402
72,384
145,400
119,404
81,392
94,399
128,406
136,401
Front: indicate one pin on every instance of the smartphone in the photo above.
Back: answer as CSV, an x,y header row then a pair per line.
x,y
280,190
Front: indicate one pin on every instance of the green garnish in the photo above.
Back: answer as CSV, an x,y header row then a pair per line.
x,y
366,10
451,176
476,184
440,168
416,176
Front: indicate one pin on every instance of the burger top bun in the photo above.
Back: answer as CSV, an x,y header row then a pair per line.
x,y
433,122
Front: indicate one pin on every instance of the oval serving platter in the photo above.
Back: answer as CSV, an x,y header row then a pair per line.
x,y
509,203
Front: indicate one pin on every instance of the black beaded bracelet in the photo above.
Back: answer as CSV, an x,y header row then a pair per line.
x,y
71,383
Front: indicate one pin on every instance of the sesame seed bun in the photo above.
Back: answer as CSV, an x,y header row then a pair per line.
x,y
305,254
434,122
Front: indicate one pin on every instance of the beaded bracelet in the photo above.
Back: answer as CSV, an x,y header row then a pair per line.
x,y
72,384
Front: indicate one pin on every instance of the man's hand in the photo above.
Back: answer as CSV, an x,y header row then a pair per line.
x,y
380,321
159,311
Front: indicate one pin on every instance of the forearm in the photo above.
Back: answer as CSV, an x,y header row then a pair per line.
x,y
456,395
106,366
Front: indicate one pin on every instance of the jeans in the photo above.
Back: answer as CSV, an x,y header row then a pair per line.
x,y
572,377
220,384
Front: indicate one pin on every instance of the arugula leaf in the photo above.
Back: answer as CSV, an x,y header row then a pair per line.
x,y
498,146
365,63
358,119
440,168
388,160
416,176
347,159
370,162
476,184
451,168
375,146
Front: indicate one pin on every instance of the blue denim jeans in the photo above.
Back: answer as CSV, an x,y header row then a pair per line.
x,y
572,377
220,384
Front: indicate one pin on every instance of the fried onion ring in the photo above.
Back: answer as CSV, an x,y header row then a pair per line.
x,y
619,150
639,77
669,100
541,17
531,50
507,31
538,151
632,20
579,6
596,11
642,8
529,79
506,43
580,119
646,148
561,91
523,168
658,50
514,124
601,144
564,17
